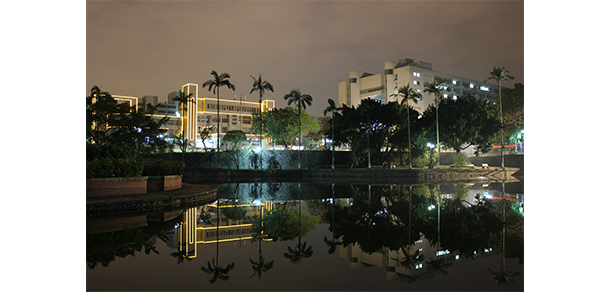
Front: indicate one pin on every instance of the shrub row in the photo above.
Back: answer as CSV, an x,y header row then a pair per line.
x,y
114,167
113,161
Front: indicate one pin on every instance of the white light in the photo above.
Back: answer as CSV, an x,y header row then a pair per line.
x,y
454,81
177,114
484,88
257,202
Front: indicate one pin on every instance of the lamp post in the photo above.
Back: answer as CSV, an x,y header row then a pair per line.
x,y
431,146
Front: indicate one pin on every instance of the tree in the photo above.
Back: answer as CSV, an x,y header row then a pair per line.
x,y
205,133
435,89
260,86
109,122
101,108
468,120
498,74
183,100
513,111
214,85
137,129
301,100
407,93
234,140
282,125
331,108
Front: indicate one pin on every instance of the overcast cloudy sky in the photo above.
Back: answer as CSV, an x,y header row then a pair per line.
x,y
142,48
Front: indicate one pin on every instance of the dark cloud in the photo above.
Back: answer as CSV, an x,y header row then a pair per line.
x,y
153,47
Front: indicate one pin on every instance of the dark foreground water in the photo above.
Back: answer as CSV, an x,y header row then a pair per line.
x,y
349,237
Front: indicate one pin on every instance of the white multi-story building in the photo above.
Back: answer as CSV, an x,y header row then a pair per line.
x,y
383,87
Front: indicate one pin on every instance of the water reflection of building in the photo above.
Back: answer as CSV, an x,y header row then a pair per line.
x,y
389,260
208,224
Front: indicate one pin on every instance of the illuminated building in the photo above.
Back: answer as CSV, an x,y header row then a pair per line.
x,y
384,87
235,114
192,230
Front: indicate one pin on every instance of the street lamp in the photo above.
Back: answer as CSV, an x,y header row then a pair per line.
x,y
431,146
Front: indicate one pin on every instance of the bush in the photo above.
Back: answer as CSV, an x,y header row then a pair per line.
x,y
114,167
423,160
460,159
170,167
113,161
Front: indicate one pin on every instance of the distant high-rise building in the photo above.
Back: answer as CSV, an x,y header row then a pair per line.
x,y
383,87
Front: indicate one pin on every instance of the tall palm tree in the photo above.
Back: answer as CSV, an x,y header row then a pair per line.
x,y
435,88
332,108
260,86
498,74
302,100
183,100
407,94
214,85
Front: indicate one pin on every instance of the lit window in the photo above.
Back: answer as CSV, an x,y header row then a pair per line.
x,y
484,88
457,257
419,90
416,74
471,85
454,82
445,95
454,97
415,82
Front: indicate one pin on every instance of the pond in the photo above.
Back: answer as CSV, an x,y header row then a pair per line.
x,y
271,236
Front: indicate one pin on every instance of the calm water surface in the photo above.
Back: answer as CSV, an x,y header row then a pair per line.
x,y
349,237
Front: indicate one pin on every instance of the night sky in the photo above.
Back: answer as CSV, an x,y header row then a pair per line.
x,y
154,47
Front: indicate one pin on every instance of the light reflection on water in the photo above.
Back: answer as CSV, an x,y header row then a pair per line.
x,y
350,237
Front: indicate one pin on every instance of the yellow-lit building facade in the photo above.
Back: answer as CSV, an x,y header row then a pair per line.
x,y
202,112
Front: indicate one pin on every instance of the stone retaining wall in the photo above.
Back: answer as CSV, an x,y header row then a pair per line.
x,y
376,174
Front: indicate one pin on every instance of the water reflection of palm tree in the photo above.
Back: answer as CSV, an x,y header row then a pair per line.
x,y
215,268
332,244
181,255
439,264
503,277
301,250
410,260
261,266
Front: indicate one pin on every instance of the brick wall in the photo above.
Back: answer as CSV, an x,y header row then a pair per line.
x,y
164,183
116,186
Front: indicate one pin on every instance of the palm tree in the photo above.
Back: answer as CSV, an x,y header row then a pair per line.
x,y
260,86
435,89
332,108
407,94
302,100
214,85
183,100
498,74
